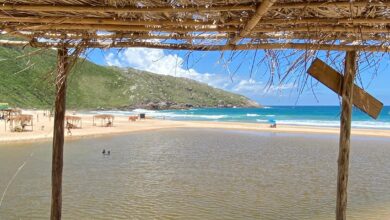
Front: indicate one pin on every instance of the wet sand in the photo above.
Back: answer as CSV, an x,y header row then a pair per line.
x,y
43,128
187,173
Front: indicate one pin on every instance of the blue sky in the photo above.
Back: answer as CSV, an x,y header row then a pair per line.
x,y
245,76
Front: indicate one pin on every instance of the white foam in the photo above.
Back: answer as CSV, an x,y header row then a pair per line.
x,y
252,115
196,116
140,110
213,116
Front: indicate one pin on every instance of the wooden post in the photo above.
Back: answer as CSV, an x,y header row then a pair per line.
x,y
58,134
345,134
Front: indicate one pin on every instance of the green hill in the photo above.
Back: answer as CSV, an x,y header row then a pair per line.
x,y
27,80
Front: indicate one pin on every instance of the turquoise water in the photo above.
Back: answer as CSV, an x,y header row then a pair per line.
x,y
327,116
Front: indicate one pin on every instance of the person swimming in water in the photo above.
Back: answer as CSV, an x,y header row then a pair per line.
x,y
106,153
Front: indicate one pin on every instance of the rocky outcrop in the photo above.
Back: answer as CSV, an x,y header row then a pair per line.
x,y
165,105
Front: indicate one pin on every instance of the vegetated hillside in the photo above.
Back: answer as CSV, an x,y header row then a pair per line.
x,y
27,80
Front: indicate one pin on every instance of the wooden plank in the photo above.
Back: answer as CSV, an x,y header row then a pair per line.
x,y
334,81
201,47
261,10
347,94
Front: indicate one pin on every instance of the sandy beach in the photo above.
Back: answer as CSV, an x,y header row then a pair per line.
x,y
43,128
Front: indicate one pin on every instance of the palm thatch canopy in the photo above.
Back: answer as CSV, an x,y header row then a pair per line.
x,y
105,120
204,25
21,118
20,122
11,112
73,121
200,24
104,117
72,118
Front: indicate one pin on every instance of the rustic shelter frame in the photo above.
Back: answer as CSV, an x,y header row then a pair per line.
x,y
201,25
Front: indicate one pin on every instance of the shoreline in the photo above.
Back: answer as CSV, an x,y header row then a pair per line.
x,y
43,128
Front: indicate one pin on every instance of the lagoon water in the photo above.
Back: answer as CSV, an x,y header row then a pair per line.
x,y
198,174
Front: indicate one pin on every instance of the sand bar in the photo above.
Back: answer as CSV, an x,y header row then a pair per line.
x,y
43,128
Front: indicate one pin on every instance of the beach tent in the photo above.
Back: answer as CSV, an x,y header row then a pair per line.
x,y
273,26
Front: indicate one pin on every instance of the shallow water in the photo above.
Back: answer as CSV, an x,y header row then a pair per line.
x,y
198,174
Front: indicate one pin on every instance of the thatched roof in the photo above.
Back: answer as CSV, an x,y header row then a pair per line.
x,y
72,118
14,111
104,116
22,118
200,24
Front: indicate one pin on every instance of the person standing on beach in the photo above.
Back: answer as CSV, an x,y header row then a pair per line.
x,y
68,126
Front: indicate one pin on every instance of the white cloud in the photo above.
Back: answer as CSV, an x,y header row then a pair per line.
x,y
251,86
160,62
112,61
157,61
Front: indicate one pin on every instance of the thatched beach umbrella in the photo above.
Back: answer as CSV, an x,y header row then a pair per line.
x,y
105,120
74,121
21,122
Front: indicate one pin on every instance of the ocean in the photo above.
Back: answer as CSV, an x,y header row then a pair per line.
x,y
323,116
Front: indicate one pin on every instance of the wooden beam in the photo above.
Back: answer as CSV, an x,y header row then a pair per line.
x,y
112,9
325,29
168,46
345,134
326,21
202,29
205,36
261,10
121,28
328,4
189,22
334,81
110,21
135,36
232,7
269,46
58,133
12,43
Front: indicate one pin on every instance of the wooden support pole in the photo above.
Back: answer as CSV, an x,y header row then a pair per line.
x,y
58,134
345,134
